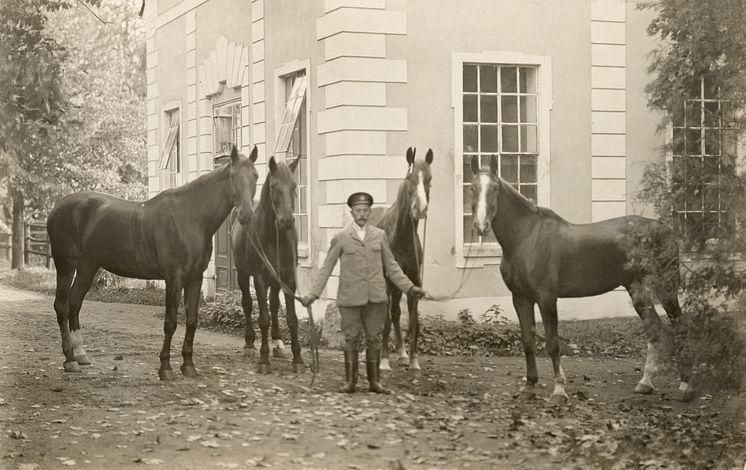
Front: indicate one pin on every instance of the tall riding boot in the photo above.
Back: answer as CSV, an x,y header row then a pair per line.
x,y
372,361
350,372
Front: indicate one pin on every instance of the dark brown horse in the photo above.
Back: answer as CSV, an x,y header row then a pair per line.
x,y
400,223
544,257
272,239
167,237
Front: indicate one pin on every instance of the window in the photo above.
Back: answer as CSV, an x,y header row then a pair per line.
x,y
501,102
704,149
292,143
170,162
227,124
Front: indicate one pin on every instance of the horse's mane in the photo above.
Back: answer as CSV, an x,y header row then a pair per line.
x,y
195,186
527,204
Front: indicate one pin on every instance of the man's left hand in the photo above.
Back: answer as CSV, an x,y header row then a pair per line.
x,y
417,291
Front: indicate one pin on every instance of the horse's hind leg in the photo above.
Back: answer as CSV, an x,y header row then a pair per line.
x,y
292,319
671,305
173,296
83,279
261,298
65,275
278,348
248,305
524,308
192,291
414,331
548,309
643,303
396,321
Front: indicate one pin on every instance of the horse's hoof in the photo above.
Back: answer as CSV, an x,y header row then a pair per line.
x,y
167,375
526,394
414,364
279,353
83,360
71,366
189,371
249,352
299,368
264,369
686,396
560,398
644,389
384,364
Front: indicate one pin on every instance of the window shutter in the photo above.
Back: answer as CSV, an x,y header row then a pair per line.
x,y
173,134
290,116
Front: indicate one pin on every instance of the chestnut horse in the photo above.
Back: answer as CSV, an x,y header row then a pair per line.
x,y
167,237
271,240
544,257
400,223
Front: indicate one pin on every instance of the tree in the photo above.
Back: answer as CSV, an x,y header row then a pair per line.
x,y
699,83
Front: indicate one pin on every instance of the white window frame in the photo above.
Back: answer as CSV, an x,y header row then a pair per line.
x,y
280,75
239,138
480,255
175,178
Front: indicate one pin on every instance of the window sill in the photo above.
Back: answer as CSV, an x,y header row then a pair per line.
x,y
304,255
477,256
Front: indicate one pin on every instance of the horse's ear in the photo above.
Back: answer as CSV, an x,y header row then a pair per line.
x,y
429,156
410,155
493,165
272,164
294,164
475,165
254,154
234,155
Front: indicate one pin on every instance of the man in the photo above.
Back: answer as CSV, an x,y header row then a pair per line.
x,y
361,297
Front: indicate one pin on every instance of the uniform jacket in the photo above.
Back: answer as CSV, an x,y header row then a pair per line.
x,y
362,267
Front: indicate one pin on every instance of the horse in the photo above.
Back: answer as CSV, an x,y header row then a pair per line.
x,y
544,257
400,223
272,239
167,237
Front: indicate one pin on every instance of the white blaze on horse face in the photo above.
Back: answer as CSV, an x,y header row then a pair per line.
x,y
421,195
481,216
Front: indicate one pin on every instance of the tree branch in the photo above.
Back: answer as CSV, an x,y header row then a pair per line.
x,y
93,12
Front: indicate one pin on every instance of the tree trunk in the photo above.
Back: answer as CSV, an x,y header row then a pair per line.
x,y
17,235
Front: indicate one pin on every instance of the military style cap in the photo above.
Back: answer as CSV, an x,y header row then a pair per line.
x,y
360,198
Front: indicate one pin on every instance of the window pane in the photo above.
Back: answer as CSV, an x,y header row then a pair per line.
x,y
693,114
528,169
488,107
711,170
528,80
712,114
468,175
468,225
677,144
470,139
510,138
529,191
528,109
508,80
509,110
693,198
509,168
470,78
470,108
528,139
711,198
467,198
488,79
489,139
693,142
712,141
711,91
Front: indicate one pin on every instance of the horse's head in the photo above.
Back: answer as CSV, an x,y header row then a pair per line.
x,y
418,183
484,190
282,191
243,176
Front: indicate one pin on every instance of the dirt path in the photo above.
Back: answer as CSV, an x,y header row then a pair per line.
x,y
459,412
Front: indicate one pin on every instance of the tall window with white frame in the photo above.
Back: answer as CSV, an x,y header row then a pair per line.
x,y
292,143
170,161
500,118
227,121
704,151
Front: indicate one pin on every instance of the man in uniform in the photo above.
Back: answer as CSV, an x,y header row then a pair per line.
x,y
361,297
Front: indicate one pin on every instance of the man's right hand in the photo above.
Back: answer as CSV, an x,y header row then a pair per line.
x,y
307,300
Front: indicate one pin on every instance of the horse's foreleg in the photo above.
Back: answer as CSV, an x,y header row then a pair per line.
x,y
192,291
525,310
83,279
248,305
264,320
278,347
385,339
173,295
644,307
65,274
396,321
292,319
683,353
548,308
413,331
